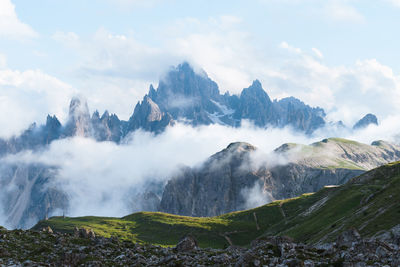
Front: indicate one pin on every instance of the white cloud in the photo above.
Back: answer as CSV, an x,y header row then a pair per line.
x,y
341,11
347,93
218,45
317,53
290,48
3,61
28,96
66,38
10,25
116,69
394,2
99,178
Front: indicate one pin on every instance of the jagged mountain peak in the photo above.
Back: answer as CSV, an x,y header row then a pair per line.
x,y
152,109
256,84
366,121
183,80
52,121
105,115
96,115
79,118
185,67
256,91
78,107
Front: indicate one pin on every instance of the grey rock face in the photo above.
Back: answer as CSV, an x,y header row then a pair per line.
x,y
79,118
300,116
107,127
228,180
27,194
256,106
187,95
365,121
149,117
213,188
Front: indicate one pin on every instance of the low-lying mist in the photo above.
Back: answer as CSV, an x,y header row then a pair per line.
x,y
101,178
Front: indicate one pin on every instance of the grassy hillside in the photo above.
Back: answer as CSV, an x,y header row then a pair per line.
x,y
370,203
333,153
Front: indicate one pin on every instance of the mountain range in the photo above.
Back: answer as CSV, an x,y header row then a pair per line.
x,y
184,96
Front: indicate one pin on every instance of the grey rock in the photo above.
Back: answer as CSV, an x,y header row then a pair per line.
x,y
366,121
78,119
149,117
86,233
187,243
348,237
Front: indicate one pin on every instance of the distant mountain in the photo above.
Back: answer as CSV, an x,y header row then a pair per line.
x,y
195,99
229,179
80,123
184,96
366,121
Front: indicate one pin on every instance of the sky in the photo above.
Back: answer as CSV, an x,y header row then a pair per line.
x,y
341,55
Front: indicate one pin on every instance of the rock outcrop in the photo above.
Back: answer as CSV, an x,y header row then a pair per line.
x,y
230,181
149,117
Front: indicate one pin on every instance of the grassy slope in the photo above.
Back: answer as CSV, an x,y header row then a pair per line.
x,y
337,157
370,203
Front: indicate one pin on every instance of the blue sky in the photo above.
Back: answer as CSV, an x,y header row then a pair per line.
x,y
341,55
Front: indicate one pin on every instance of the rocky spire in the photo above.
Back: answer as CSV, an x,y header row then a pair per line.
x,y
256,105
79,118
148,116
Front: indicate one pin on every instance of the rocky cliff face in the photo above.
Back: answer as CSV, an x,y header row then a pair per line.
x,y
228,181
28,195
149,117
215,187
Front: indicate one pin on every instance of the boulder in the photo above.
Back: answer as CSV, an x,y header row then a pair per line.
x,y
187,243
347,238
84,233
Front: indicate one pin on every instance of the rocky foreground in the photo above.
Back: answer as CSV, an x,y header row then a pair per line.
x,y
84,248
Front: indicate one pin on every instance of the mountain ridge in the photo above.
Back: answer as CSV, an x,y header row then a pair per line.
x,y
182,96
228,179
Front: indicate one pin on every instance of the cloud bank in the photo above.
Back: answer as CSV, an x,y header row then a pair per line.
x,y
103,179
